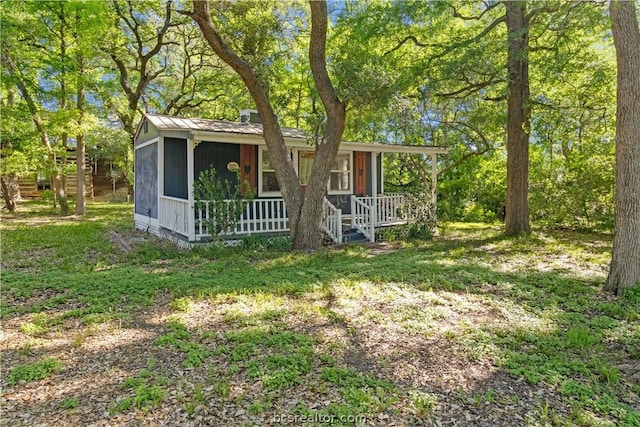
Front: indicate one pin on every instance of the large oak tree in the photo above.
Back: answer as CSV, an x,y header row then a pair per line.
x,y
304,207
625,263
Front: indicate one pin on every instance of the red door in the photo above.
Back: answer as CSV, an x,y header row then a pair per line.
x,y
248,164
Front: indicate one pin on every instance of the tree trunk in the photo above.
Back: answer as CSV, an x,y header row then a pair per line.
x,y
624,270
309,233
81,167
60,178
304,208
60,194
10,191
518,120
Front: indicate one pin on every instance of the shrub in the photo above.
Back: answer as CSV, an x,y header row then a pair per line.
x,y
220,202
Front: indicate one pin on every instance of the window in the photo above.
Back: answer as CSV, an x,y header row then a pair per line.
x,y
340,179
43,183
305,163
268,180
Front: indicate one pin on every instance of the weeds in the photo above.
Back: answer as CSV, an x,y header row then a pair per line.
x,y
530,305
148,387
34,371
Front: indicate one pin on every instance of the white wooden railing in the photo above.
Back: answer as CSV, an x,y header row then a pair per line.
x,y
258,216
173,214
388,207
270,216
362,218
332,221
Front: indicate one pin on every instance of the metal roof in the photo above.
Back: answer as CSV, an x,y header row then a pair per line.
x,y
203,127
208,125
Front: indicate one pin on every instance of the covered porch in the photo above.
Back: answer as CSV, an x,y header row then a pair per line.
x,y
269,216
346,217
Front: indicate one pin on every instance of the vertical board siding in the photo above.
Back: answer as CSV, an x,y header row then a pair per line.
x,y
218,155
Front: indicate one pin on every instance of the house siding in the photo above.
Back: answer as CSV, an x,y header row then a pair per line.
x,y
369,174
146,179
151,133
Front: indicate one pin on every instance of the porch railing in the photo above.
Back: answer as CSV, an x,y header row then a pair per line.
x,y
270,216
388,207
258,216
332,221
362,218
173,214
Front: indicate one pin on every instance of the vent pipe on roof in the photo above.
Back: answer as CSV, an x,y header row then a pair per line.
x,y
250,116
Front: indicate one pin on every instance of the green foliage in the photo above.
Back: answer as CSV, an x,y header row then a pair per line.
x,y
180,338
220,201
278,359
113,145
148,387
182,304
261,242
423,403
70,403
422,216
34,371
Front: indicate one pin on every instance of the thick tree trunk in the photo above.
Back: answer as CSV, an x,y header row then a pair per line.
x,y
625,263
304,208
309,233
518,120
10,191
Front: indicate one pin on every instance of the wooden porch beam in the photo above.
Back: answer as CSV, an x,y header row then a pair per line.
x,y
191,221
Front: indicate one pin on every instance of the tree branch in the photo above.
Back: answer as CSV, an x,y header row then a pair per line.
x,y
405,40
318,60
488,7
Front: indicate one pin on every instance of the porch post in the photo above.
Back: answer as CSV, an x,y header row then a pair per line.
x,y
434,180
160,166
191,221
381,173
374,195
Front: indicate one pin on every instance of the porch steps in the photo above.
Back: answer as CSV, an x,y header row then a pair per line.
x,y
352,235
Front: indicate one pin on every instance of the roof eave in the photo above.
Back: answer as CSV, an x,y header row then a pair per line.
x,y
302,143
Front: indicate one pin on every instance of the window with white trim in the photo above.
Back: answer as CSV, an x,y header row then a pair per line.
x,y
268,181
340,178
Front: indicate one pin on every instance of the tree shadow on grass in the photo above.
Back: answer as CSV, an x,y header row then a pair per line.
x,y
410,359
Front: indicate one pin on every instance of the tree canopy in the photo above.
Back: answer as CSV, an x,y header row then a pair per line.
x,y
409,72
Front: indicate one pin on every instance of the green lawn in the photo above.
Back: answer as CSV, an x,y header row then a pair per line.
x,y
471,328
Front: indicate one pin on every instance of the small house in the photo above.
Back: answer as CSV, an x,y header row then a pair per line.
x,y
171,152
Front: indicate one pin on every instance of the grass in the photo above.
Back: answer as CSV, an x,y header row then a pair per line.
x,y
290,323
